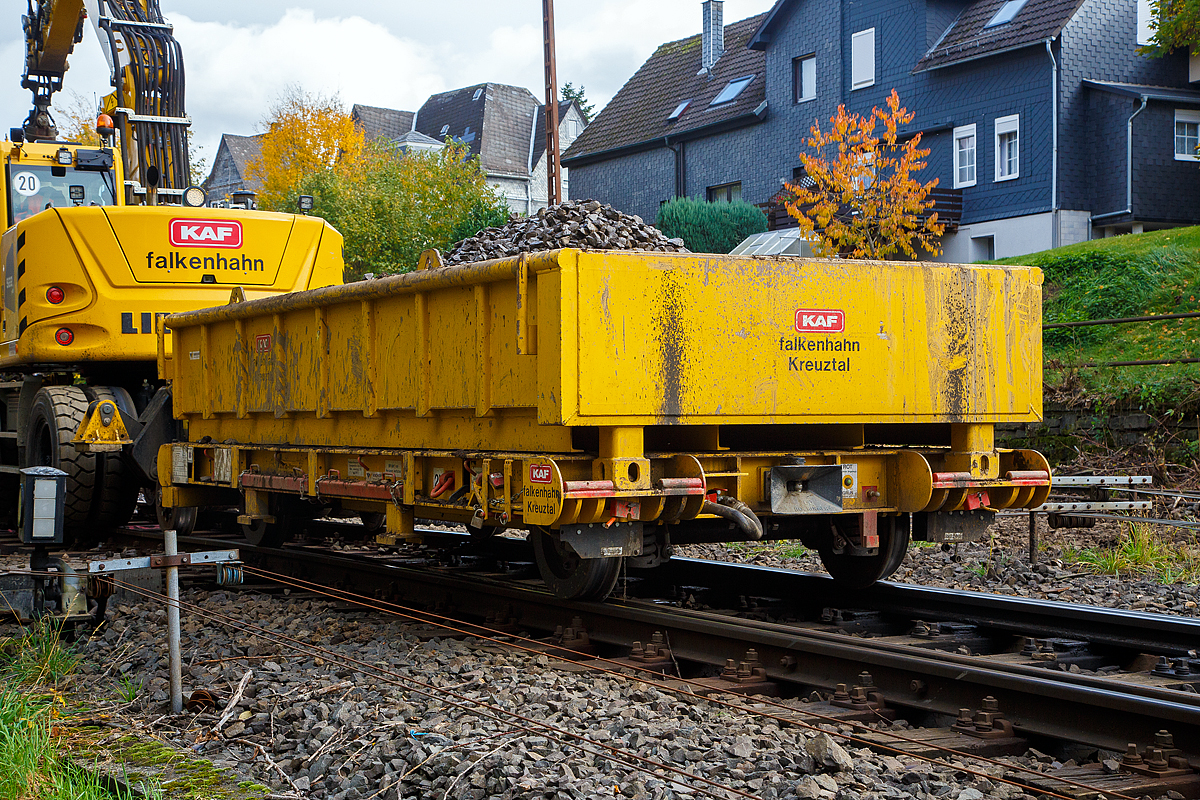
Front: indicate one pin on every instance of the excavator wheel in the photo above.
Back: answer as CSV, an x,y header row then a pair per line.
x,y
53,421
116,492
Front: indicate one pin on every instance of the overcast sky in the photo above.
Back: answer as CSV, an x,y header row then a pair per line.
x,y
240,54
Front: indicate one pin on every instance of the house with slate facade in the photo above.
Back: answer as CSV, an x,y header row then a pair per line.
x,y
231,167
1045,124
504,126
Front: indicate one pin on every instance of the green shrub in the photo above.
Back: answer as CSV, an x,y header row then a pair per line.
x,y
710,227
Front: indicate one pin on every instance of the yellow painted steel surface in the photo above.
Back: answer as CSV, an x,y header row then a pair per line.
x,y
123,268
509,354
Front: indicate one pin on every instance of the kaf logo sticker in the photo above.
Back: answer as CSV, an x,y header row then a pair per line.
x,y
820,320
206,233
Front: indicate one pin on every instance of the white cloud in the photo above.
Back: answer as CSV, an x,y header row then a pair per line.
x,y
241,54
234,73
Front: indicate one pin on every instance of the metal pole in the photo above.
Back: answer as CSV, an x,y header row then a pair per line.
x,y
171,548
553,175
1033,541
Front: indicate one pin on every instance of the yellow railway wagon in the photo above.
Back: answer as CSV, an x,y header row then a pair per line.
x,y
614,403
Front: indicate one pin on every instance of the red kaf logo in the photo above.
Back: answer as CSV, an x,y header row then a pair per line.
x,y
820,320
262,343
206,233
539,473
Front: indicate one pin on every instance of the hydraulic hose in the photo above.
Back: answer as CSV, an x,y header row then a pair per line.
x,y
738,513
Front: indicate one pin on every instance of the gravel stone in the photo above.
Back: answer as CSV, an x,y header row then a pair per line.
x,y
336,732
828,753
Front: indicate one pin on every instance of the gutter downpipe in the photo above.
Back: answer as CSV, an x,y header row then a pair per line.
x,y
1128,166
1054,233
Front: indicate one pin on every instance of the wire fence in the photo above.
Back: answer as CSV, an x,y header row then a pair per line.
x,y
1153,362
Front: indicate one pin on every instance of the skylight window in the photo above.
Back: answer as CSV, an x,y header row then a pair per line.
x,y
445,129
1006,13
732,90
679,109
478,92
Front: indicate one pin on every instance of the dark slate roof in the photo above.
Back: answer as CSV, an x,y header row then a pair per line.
x,y
539,131
496,126
375,122
638,113
968,39
417,138
1165,93
241,151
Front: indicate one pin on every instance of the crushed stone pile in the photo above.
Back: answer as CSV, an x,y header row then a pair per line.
x,y
586,224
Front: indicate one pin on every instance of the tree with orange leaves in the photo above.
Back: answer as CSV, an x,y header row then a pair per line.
x,y
861,199
305,134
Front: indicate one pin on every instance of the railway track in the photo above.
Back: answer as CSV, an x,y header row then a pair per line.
x,y
1029,673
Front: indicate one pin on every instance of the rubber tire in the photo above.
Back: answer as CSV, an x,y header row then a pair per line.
x,y
569,576
181,519
116,491
54,419
859,572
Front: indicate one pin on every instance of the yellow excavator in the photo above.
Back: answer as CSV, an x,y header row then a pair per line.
x,y
102,241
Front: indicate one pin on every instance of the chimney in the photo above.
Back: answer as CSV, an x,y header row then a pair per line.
x,y
714,33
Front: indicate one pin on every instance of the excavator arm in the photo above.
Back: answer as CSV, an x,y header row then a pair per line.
x,y
146,70
52,29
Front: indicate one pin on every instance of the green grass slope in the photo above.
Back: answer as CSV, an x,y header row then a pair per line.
x,y
1122,276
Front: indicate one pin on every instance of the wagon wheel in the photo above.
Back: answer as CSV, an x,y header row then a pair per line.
x,y
181,519
859,572
260,533
569,576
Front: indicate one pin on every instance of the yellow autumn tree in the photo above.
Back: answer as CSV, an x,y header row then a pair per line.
x,y
401,203
861,199
75,116
305,134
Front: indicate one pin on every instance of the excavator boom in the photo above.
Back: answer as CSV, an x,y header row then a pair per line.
x,y
146,70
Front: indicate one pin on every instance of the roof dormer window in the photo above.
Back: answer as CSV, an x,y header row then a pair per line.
x,y
731,90
679,109
1006,13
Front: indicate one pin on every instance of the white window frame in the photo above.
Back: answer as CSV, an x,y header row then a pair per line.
x,y
1185,115
798,63
862,59
1009,124
1146,24
961,132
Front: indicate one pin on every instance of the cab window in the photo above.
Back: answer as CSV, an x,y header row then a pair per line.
x,y
35,188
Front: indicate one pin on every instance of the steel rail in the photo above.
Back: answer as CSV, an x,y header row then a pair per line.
x,y
626,758
762,708
1063,705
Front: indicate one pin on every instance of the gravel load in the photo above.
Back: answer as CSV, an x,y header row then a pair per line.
x,y
319,727
586,224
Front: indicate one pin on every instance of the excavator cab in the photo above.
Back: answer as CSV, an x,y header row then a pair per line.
x,y
43,175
